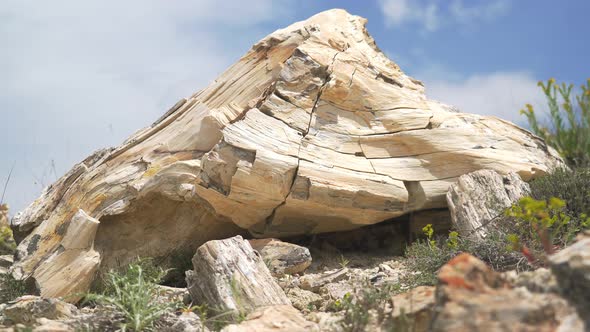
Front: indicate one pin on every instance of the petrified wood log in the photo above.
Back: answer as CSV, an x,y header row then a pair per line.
x,y
229,276
313,130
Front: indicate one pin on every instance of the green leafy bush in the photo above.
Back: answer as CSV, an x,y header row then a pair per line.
x,y
542,226
568,129
133,293
426,257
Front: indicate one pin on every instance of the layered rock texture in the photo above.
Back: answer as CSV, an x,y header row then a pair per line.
x,y
230,276
478,198
313,130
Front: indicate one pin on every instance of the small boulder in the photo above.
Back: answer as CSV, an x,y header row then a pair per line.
x,y
185,322
413,310
28,309
230,276
471,296
282,257
477,198
274,319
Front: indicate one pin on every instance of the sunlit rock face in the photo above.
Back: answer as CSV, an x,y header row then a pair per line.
x,y
313,130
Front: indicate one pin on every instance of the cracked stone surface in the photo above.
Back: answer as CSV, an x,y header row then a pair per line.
x,y
313,130
478,198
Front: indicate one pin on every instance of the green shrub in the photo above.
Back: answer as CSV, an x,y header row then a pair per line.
x,y
541,226
426,258
133,293
572,186
428,255
367,304
11,288
7,244
568,130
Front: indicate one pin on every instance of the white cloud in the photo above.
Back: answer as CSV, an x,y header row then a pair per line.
x,y
433,14
81,75
488,12
501,94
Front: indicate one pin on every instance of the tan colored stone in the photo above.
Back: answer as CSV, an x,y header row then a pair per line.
x,y
275,318
229,276
413,310
313,130
68,271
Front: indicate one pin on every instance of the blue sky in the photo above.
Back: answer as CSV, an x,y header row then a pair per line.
x,y
81,75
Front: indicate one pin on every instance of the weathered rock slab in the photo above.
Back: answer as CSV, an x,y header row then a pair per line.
x,y
479,197
230,276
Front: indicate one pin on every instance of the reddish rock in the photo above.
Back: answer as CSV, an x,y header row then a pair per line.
x,y
472,297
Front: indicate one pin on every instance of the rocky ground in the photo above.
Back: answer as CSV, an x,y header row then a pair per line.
x,y
341,291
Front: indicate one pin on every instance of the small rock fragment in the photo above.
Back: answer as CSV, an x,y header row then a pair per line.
x,y
313,282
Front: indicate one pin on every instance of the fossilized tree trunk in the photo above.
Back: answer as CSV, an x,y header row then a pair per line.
x,y
230,276
313,130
